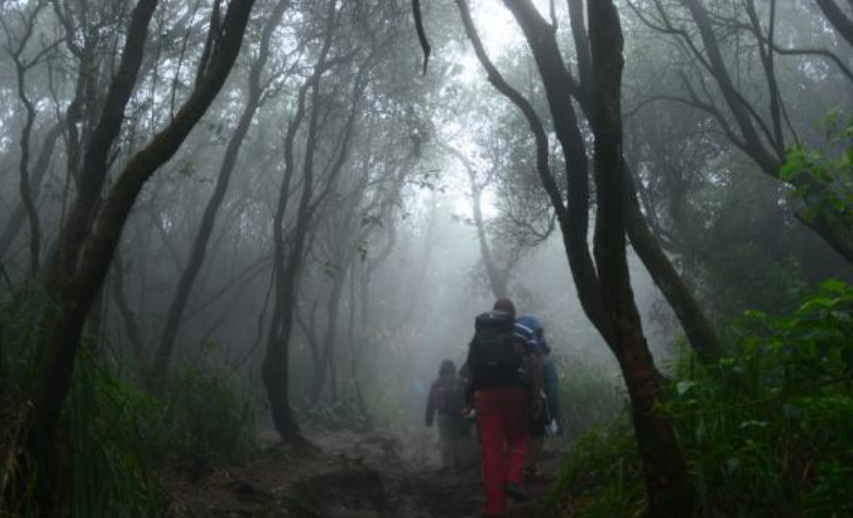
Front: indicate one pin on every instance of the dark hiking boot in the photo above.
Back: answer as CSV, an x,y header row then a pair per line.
x,y
515,492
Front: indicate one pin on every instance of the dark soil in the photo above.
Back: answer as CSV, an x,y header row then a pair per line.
x,y
344,475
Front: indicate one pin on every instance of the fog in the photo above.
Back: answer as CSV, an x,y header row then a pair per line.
x,y
306,208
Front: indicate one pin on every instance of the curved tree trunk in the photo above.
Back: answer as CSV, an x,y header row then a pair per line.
x,y
311,198
559,86
199,249
327,357
276,362
19,216
668,491
497,277
96,158
355,377
842,23
77,287
276,367
25,188
605,289
700,333
275,371
769,158
58,363
289,269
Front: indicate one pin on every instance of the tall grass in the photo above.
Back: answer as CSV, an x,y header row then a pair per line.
x,y
208,422
767,432
590,397
116,441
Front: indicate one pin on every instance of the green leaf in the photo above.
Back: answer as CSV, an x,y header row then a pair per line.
x,y
684,386
834,285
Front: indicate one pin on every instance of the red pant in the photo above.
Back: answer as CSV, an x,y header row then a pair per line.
x,y
502,414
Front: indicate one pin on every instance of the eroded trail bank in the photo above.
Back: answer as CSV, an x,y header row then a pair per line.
x,y
344,475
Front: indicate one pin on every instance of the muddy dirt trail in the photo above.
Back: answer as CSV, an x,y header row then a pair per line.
x,y
344,475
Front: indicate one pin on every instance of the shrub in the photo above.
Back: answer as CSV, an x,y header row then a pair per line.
x,y
114,444
766,431
106,427
590,397
116,441
208,423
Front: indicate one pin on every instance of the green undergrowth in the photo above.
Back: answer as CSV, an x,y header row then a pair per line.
x,y
767,431
209,423
118,444
590,396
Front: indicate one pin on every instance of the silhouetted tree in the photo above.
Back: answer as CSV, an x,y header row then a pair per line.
x,y
608,302
88,241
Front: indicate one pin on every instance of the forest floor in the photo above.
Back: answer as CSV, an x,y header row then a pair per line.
x,y
345,474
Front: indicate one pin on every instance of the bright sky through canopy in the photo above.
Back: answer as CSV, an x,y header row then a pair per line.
x,y
499,32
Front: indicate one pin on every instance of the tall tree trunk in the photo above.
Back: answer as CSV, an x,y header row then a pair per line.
x,y
497,278
77,287
42,165
289,269
275,371
199,248
345,238
131,324
96,158
842,23
275,379
25,188
276,362
354,352
57,365
668,492
327,358
700,333
605,291
577,20
276,368
557,80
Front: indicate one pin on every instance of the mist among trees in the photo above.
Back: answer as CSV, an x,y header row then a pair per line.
x,y
238,238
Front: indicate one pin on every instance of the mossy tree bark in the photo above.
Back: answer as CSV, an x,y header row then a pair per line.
x,y
89,240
